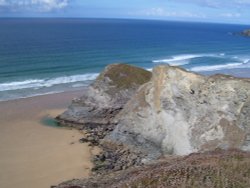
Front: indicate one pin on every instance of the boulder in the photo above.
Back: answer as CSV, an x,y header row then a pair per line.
x,y
180,112
105,97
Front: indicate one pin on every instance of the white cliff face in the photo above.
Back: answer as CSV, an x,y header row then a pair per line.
x,y
177,136
179,112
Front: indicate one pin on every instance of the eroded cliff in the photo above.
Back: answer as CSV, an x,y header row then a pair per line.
x,y
180,112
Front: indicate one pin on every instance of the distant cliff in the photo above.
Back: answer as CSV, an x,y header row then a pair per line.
x,y
246,33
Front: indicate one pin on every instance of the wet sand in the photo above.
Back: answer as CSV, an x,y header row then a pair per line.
x,y
36,155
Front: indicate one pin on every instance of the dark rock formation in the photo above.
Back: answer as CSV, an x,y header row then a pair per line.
x,y
116,158
205,170
180,112
104,98
94,112
246,33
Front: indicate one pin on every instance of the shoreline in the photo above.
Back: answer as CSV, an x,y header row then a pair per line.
x,y
71,92
235,72
36,155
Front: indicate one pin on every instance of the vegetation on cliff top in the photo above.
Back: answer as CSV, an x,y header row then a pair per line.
x,y
124,76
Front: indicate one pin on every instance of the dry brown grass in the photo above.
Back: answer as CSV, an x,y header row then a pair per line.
x,y
217,169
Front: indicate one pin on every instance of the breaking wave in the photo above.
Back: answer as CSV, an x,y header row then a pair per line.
x,y
215,67
184,58
238,63
39,83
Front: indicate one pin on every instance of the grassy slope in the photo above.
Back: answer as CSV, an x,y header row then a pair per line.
x,y
218,169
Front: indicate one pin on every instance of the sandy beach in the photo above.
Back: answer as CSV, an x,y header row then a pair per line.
x,y
36,155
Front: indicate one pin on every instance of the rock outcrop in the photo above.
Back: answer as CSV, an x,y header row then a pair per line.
x,y
104,99
156,122
180,112
246,33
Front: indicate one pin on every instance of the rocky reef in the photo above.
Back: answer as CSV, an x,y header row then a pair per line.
x,y
246,33
139,119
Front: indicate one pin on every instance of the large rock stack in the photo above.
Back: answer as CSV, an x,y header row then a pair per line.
x,y
103,99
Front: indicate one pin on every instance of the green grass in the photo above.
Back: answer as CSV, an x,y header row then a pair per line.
x,y
124,76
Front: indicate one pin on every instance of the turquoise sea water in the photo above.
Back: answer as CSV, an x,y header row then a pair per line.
x,y
39,56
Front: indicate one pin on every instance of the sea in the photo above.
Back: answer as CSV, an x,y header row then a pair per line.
x,y
40,56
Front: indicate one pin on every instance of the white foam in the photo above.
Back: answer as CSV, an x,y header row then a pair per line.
x,y
236,61
184,58
20,85
32,95
39,83
245,60
216,67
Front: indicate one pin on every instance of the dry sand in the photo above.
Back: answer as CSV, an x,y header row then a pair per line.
x,y
35,155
